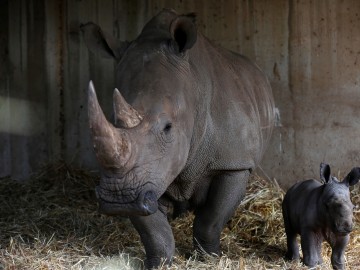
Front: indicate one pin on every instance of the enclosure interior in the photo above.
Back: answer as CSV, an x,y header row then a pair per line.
x,y
308,49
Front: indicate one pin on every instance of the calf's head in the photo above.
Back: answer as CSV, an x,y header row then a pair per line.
x,y
147,146
335,199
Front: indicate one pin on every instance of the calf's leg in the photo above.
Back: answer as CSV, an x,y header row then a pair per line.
x,y
225,193
292,245
338,246
311,245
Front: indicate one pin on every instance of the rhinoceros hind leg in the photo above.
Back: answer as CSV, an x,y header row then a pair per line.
x,y
157,238
292,245
225,193
292,248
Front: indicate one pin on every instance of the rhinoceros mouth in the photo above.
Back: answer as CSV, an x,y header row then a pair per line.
x,y
341,232
144,204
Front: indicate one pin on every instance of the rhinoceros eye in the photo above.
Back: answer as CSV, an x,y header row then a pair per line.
x,y
167,127
166,134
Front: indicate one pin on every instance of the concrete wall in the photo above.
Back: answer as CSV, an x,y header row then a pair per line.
x,y
308,49
318,106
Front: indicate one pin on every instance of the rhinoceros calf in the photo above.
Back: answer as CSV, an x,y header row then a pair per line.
x,y
319,212
191,121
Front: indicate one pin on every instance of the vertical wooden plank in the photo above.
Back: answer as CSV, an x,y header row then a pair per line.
x,y
270,45
299,75
27,99
5,153
37,148
86,67
18,84
74,92
54,78
246,29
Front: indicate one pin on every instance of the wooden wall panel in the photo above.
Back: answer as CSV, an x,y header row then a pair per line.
x,y
308,49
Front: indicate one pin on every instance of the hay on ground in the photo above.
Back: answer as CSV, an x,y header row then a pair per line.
x,y
51,222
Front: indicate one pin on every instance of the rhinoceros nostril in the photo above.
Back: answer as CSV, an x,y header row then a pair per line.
x,y
149,202
348,227
149,198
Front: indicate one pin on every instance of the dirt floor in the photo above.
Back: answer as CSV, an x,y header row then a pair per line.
x,y
51,222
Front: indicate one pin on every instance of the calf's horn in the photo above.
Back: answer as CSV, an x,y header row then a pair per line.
x,y
112,145
124,112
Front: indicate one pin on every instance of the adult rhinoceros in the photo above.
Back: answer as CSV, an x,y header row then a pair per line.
x,y
190,124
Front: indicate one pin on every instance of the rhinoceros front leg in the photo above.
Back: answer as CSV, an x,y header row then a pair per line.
x,y
311,248
225,193
156,236
338,246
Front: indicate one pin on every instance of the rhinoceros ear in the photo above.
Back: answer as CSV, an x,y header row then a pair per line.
x,y
325,172
353,177
183,31
101,42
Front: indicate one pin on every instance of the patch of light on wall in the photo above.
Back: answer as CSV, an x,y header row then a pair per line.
x,y
21,117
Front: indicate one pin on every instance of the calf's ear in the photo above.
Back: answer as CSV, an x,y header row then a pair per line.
x,y
325,172
353,177
183,32
101,42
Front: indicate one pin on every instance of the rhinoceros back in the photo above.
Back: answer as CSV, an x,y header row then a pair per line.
x,y
241,108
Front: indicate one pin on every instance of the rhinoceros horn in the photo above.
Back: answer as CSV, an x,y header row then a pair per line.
x,y
124,112
112,146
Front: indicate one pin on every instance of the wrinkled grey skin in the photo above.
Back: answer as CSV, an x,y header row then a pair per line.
x,y
198,120
319,212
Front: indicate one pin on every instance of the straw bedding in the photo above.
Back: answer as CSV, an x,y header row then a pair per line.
x,y
51,222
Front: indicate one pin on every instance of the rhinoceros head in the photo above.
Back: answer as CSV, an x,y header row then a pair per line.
x,y
147,145
336,199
